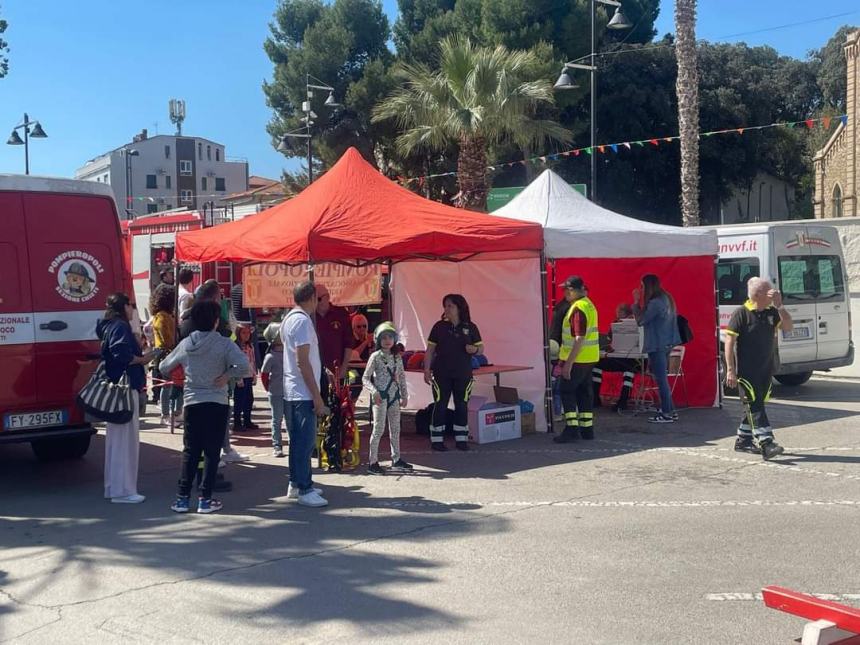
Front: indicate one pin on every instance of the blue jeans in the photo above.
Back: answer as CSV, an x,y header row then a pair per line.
x,y
276,401
302,430
658,363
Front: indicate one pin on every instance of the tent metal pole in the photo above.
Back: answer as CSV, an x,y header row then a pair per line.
x,y
546,359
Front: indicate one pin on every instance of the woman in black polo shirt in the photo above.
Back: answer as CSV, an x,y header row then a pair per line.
x,y
448,368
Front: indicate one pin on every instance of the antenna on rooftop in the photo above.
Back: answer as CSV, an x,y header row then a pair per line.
x,y
177,114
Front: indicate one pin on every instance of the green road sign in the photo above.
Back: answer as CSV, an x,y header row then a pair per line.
x,y
498,197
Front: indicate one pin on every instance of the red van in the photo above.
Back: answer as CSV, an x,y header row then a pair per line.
x,y
60,257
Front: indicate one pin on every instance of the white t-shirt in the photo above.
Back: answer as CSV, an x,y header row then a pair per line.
x,y
297,330
186,298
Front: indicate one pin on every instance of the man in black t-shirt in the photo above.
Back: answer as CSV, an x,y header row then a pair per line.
x,y
749,347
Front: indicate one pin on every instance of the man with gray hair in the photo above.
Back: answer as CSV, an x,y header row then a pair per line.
x,y
749,347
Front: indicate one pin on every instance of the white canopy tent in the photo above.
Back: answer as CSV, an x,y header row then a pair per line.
x,y
612,252
575,227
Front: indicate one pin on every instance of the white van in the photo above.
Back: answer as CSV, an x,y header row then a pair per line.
x,y
804,261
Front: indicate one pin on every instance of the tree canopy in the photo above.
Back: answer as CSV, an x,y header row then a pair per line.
x,y
350,45
4,50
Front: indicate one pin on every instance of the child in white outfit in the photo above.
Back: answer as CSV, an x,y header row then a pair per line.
x,y
385,379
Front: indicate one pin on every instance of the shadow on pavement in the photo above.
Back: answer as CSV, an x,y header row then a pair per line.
x,y
54,524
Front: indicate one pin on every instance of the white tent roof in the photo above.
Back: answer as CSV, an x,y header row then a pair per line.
x,y
574,227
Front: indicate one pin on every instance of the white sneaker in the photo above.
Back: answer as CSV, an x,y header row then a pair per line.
x,y
313,499
128,499
293,492
233,456
221,463
277,452
165,421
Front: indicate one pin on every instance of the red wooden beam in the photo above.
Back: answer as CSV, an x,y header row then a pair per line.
x,y
812,608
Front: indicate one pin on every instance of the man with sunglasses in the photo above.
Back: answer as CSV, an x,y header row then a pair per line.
x,y
362,339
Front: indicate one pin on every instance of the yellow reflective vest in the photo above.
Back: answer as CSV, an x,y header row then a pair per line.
x,y
590,351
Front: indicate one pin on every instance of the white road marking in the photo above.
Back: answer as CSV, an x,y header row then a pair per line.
x,y
739,460
613,504
731,596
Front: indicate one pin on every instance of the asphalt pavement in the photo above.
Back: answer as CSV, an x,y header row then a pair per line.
x,y
649,534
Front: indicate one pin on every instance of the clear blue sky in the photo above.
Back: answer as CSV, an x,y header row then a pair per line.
x,y
95,72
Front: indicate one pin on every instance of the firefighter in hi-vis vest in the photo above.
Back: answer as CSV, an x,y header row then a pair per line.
x,y
579,353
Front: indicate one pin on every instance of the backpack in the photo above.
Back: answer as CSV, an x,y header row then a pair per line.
x,y
684,329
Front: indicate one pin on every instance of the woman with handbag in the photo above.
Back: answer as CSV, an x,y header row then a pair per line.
x,y
122,357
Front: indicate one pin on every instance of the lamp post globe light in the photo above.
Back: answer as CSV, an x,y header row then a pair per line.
x,y
565,82
36,133
308,118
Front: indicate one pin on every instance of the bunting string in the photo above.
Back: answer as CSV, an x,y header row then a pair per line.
x,y
614,148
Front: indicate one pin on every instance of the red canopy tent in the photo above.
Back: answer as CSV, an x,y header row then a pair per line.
x,y
353,214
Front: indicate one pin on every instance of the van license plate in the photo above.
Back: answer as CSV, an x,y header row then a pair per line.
x,y
35,420
798,333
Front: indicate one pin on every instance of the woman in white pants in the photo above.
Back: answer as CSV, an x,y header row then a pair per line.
x,y
122,355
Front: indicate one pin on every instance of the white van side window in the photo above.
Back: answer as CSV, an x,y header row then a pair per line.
x,y
732,277
809,278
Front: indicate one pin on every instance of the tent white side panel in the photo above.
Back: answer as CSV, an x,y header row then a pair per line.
x,y
504,297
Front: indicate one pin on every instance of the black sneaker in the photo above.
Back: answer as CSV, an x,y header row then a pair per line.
x,y
661,418
439,447
462,445
770,449
402,465
567,435
745,444
587,433
375,469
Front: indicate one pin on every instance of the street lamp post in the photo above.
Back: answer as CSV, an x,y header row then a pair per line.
x,y
129,199
310,115
564,82
15,139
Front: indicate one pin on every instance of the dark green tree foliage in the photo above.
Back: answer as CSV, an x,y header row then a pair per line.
x,y
4,49
828,64
740,86
344,45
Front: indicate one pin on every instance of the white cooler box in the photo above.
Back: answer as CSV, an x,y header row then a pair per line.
x,y
489,422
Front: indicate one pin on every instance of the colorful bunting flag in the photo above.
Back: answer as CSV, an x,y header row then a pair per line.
x,y
809,123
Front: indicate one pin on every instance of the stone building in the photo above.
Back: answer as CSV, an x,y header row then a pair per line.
x,y
837,180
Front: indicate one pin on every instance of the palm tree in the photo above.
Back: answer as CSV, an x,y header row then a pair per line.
x,y
687,89
477,98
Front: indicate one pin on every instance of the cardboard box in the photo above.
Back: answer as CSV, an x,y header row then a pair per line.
x,y
495,422
407,421
528,423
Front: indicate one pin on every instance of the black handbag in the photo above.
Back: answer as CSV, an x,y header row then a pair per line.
x,y
684,329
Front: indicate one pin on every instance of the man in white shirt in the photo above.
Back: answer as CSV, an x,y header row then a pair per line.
x,y
186,293
302,400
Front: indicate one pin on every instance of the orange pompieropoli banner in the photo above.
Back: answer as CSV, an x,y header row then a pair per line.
x,y
271,284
